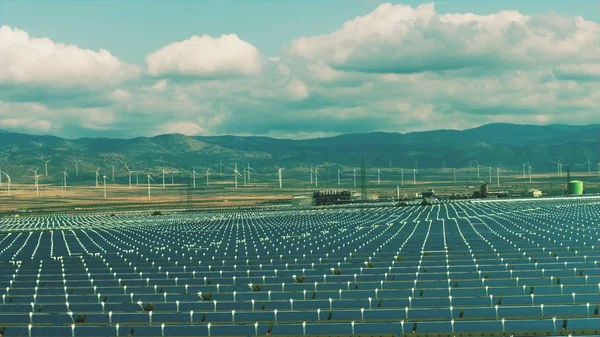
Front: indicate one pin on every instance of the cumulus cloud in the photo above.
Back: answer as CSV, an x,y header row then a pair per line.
x,y
26,60
395,69
403,39
206,57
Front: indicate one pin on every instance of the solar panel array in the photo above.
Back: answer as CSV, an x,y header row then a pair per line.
x,y
456,269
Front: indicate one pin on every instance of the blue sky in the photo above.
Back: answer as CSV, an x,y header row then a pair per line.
x,y
299,68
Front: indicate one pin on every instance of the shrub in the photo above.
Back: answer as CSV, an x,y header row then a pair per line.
x,y
157,213
256,287
337,271
399,258
299,279
80,318
149,306
207,297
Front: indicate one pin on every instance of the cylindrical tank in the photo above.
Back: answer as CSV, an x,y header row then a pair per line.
x,y
575,187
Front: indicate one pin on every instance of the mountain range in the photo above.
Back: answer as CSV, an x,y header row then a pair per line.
x,y
504,145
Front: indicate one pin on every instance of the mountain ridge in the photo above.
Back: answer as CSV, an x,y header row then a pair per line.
x,y
510,144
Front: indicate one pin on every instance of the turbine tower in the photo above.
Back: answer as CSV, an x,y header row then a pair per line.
x,y
498,176
149,178
46,165
311,175
338,176
97,176
236,173
207,174
316,176
354,173
8,181
194,178
65,176
129,172
77,161
249,169
104,178
378,177
279,169
35,177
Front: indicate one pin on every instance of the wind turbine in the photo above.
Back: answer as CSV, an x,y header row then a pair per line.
x,y
236,173
194,178
46,164
244,171
390,164
477,163
414,176
249,169
589,165
8,181
113,174
172,178
104,178
149,178
97,176
558,167
490,169
311,175
220,166
65,176
529,172
354,174
454,174
402,176
339,173
129,172
378,177
163,175
279,169
207,174
498,176
525,166
36,181
316,176
77,161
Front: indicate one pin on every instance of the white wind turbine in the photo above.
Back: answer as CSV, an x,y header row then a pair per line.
x,y
498,176
129,172
207,174
113,174
163,176
316,173
311,174
36,181
8,181
402,176
249,169
279,170
378,177
339,174
236,173
414,176
104,178
149,179
46,165
478,166
65,176
354,176
77,161
524,167
194,177
97,176
589,165
529,167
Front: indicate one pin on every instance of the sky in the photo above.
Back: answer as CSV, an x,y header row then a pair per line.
x,y
294,69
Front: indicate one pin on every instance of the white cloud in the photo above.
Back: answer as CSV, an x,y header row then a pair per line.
x,y
26,60
297,90
403,39
206,57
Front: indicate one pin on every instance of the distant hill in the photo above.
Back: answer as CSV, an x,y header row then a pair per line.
x,y
507,145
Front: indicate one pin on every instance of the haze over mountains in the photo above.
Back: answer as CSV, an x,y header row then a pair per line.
x,y
510,144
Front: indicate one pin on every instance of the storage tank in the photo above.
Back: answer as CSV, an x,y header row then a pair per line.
x,y
575,187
